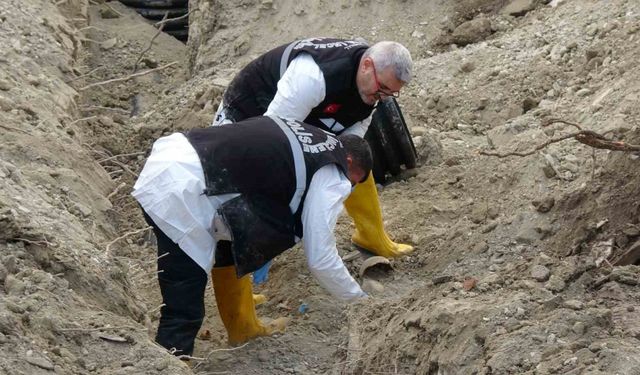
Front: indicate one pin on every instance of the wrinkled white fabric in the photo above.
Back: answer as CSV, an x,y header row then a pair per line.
x,y
300,89
322,206
170,189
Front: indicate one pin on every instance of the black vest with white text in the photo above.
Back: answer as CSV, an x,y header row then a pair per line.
x,y
270,162
255,86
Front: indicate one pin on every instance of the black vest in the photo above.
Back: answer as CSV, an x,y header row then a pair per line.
x,y
270,162
253,89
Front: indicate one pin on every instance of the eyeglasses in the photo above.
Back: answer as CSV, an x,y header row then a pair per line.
x,y
382,90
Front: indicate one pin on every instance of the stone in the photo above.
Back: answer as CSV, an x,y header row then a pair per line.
x,y
417,34
489,227
478,214
263,356
443,104
555,284
551,338
441,279
467,67
371,286
108,13
14,307
8,323
540,273
150,62
40,362
584,92
585,356
557,52
579,328
11,263
548,171
82,210
483,103
431,104
241,46
6,104
3,273
472,31
631,230
413,320
529,104
418,131
574,304
527,235
544,205
545,230
518,8
161,364
625,275
5,85
480,247
492,279
109,43
14,286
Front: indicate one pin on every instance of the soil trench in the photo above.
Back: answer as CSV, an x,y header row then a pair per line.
x,y
522,265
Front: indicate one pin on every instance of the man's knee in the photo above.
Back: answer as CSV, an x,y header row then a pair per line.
x,y
224,257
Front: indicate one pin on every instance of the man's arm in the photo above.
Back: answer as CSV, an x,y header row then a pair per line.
x,y
359,128
300,89
323,204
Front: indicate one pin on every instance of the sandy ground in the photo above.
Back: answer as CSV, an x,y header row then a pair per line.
x,y
523,265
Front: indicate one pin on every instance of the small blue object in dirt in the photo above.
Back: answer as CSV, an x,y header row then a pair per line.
x,y
260,276
303,308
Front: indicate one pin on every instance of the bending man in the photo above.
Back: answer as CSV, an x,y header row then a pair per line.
x,y
332,84
227,200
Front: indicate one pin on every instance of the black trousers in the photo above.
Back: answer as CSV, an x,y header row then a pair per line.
x,y
182,284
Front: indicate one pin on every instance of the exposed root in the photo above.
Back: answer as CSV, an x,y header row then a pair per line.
x,y
587,137
211,353
126,78
108,249
82,119
161,23
14,129
105,328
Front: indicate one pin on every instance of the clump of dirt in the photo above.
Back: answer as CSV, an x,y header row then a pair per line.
x,y
522,265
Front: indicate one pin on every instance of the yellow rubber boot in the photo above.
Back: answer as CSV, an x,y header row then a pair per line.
x,y
363,206
237,309
259,299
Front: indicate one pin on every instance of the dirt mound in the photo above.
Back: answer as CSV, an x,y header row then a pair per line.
x,y
522,265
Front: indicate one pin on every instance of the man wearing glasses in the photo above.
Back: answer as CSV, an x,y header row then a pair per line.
x,y
333,84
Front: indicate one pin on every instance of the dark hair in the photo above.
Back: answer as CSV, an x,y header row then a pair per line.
x,y
359,150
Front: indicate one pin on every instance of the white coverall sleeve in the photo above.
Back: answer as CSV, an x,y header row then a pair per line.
x,y
300,89
327,191
359,128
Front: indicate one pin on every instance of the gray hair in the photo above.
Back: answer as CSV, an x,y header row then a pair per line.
x,y
385,54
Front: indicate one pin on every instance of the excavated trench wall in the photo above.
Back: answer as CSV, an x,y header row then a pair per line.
x,y
62,294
